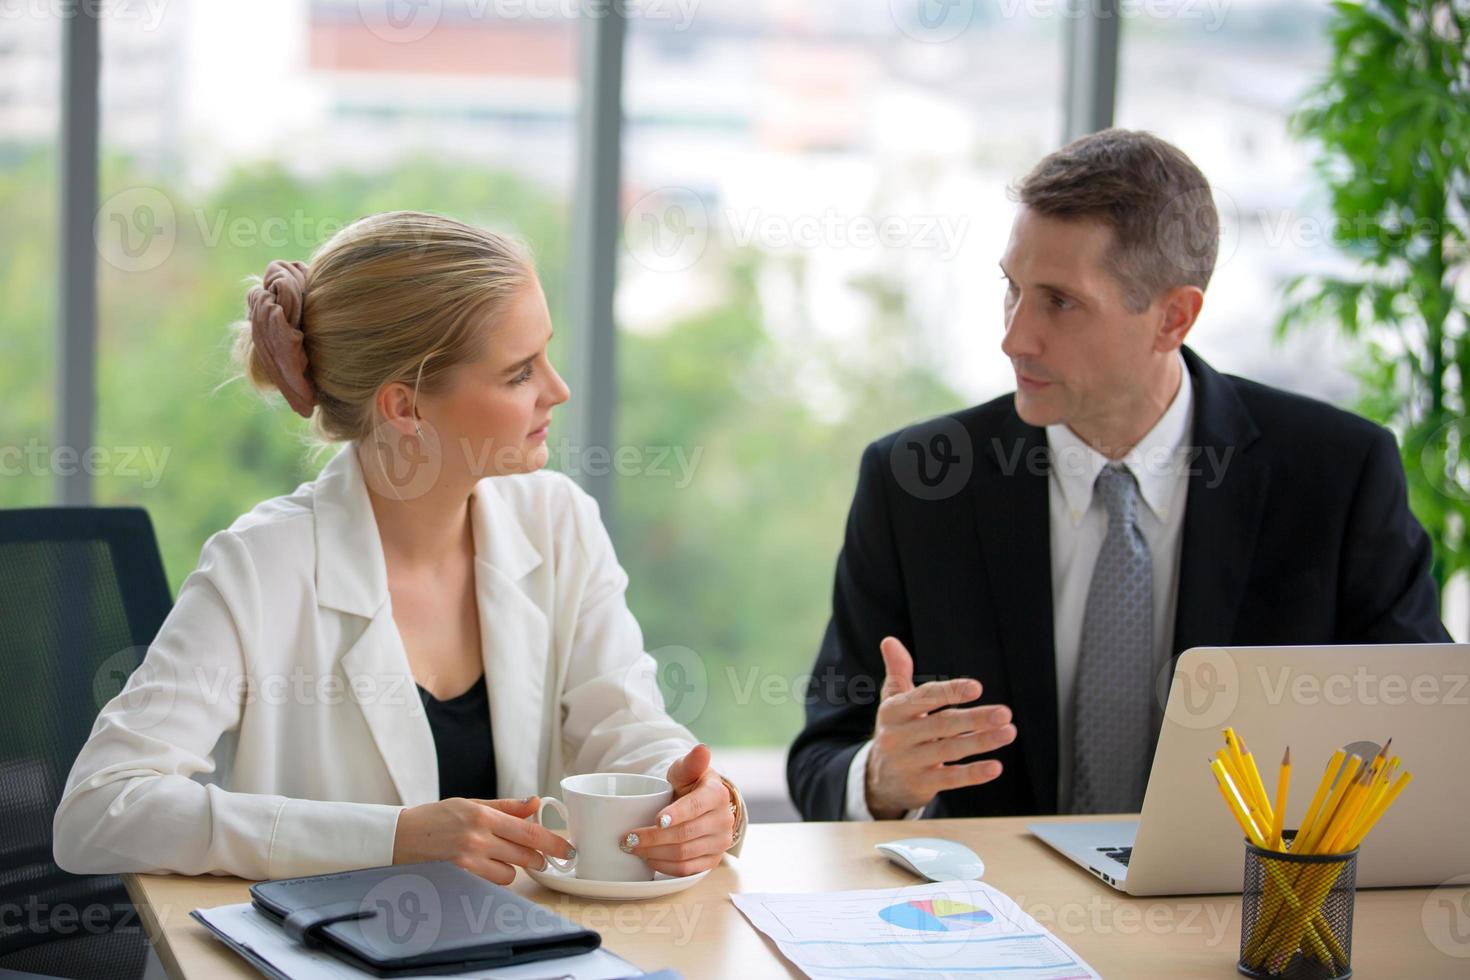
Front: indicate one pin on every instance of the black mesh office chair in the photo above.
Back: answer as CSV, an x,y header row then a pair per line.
x,y
82,594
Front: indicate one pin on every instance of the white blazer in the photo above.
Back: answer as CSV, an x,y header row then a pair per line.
x,y
274,728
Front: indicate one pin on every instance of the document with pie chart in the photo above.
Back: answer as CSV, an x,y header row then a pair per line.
x,y
959,927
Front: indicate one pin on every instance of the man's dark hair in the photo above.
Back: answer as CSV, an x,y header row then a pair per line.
x,y
1166,231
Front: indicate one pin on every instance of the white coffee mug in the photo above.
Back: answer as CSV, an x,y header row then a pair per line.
x,y
599,810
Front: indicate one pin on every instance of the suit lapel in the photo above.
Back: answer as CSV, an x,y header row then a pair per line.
x,y
1222,513
380,681
514,641
352,578
1015,540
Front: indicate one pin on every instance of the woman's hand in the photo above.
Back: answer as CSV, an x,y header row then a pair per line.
x,y
485,837
695,829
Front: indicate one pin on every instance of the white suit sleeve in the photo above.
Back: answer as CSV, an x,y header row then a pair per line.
x,y
132,804
613,714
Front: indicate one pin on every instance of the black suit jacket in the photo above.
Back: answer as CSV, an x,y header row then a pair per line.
x,y
1296,531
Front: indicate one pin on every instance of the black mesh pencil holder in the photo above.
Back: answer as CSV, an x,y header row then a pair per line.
x,y
1296,914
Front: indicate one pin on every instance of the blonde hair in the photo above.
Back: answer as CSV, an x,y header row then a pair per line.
x,y
400,296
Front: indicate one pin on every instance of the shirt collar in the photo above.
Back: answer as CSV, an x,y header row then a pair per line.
x,y
1156,462
351,573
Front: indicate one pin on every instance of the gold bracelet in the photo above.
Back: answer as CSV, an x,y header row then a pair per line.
x,y
737,832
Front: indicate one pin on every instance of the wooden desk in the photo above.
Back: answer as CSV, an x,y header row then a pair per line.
x,y
700,932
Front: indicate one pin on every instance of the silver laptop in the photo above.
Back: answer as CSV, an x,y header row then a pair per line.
x,y
1315,699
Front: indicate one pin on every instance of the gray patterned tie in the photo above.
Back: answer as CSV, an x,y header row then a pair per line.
x,y
1112,710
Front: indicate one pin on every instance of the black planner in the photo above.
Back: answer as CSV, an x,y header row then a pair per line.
x,y
418,918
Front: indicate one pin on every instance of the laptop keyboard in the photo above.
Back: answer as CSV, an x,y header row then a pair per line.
x,y
1119,854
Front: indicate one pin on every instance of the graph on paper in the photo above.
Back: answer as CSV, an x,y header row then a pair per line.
x,y
935,915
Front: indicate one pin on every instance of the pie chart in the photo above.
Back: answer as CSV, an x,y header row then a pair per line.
x,y
935,915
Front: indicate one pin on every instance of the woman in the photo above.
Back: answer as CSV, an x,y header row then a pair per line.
x,y
387,665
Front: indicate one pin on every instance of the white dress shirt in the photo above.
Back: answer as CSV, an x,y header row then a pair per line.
x,y
274,728
1079,524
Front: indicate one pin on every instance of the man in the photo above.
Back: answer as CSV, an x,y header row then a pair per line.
x,y
1019,576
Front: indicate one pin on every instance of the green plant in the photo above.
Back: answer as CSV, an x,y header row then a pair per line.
x,y
1392,120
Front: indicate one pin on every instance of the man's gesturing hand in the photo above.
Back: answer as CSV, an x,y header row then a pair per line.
x,y
913,740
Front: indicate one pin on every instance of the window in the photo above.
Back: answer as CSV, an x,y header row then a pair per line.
x,y
815,199
230,139
30,112
1220,83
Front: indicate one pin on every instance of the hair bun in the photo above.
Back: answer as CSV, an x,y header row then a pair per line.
x,y
275,328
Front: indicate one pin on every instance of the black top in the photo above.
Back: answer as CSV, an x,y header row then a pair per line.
x,y
462,741
1297,531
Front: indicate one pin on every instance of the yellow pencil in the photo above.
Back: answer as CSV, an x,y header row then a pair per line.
x,y
1344,821
1324,819
1351,797
1383,781
1237,804
1241,817
1381,760
1323,841
1233,744
1257,788
1322,787
1377,764
1229,763
1382,807
1283,784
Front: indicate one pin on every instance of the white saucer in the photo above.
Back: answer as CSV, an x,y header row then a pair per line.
x,y
660,886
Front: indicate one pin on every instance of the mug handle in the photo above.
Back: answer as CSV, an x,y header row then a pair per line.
x,y
565,865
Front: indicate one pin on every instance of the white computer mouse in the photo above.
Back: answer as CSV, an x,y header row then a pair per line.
x,y
934,858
